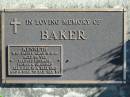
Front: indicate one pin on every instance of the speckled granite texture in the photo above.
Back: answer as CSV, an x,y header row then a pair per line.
x,y
42,90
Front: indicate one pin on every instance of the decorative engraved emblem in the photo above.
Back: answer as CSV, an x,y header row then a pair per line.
x,y
15,22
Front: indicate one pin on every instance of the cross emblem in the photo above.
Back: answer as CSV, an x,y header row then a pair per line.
x,y
15,23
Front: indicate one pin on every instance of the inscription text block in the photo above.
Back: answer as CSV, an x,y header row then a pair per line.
x,y
34,60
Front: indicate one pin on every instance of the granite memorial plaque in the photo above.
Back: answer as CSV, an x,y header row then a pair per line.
x,y
63,46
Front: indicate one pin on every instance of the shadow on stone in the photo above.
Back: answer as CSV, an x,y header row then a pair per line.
x,y
114,58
